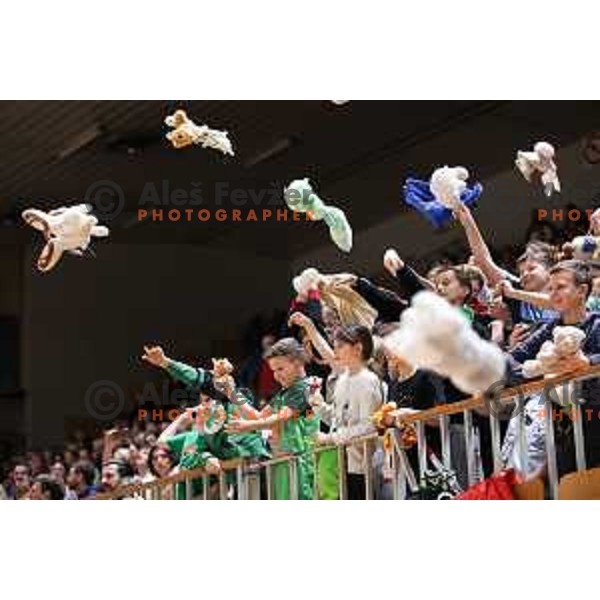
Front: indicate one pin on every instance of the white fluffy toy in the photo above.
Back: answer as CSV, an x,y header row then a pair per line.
x,y
447,184
185,133
540,160
566,343
436,336
67,229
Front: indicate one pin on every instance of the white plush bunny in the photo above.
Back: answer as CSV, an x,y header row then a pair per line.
x,y
66,229
566,343
436,336
541,160
447,184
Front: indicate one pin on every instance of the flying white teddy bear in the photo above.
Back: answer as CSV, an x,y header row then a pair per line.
x,y
541,160
447,184
67,229
436,336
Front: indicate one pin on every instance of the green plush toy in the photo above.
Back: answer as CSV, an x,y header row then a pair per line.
x,y
300,196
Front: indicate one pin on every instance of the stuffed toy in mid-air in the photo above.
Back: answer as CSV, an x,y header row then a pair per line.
x,y
540,160
300,196
185,133
436,336
435,199
67,229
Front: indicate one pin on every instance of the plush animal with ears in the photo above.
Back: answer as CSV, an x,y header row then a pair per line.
x,y
67,229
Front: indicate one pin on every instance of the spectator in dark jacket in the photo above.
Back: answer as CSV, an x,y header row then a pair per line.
x,y
569,287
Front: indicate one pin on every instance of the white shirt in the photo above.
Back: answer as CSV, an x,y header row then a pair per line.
x,y
356,396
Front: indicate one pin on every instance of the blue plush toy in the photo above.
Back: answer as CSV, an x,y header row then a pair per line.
x,y
418,194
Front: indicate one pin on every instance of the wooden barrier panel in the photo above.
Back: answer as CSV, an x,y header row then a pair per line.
x,y
531,490
583,485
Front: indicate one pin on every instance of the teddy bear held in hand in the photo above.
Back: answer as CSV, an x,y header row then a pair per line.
x,y
566,344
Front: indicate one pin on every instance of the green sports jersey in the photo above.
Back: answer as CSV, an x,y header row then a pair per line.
x,y
297,436
220,444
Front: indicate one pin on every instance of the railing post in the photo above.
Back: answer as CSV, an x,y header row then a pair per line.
x,y
368,471
293,479
222,486
316,486
269,478
521,433
550,445
241,493
495,433
421,448
445,439
341,450
468,432
578,434
396,472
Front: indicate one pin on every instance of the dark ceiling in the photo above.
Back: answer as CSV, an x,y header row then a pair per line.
x,y
357,154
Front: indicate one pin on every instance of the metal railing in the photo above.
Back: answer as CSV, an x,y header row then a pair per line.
x,y
246,480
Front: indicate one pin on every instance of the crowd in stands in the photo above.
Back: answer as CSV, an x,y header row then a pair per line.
x,y
318,375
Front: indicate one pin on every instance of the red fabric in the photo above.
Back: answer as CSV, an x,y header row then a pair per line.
x,y
479,307
266,384
298,305
498,487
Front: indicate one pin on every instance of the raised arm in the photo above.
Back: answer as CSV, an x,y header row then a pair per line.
x,y
194,378
317,340
479,249
536,298
410,281
186,374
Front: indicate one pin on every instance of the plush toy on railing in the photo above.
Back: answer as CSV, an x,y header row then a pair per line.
x,y
436,199
436,336
67,229
540,160
300,196
385,417
566,345
185,133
